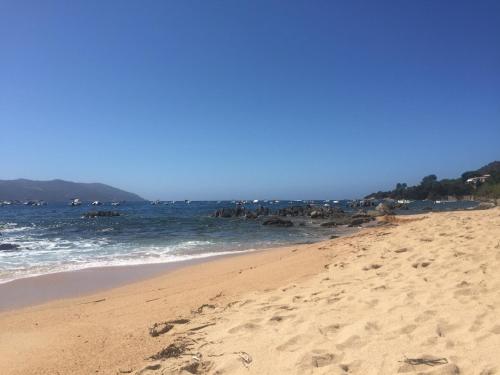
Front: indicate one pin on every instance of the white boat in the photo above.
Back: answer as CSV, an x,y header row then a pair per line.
x,y
403,201
75,202
255,201
155,202
335,202
115,203
96,203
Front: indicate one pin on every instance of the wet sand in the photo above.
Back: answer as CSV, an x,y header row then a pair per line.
x,y
40,289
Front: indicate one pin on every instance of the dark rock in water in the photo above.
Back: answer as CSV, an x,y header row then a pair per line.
x,y
384,208
251,215
360,220
93,214
329,224
374,213
360,214
238,211
333,236
8,247
277,222
362,203
339,220
262,211
317,214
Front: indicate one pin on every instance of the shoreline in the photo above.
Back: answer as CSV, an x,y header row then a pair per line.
x,y
40,289
32,291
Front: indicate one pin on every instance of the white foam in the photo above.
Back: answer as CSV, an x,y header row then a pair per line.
x,y
15,273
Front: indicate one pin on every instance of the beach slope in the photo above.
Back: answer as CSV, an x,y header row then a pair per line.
x,y
419,295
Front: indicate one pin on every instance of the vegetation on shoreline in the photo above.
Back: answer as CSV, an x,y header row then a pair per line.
x,y
432,188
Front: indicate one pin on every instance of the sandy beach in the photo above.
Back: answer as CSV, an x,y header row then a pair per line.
x,y
418,295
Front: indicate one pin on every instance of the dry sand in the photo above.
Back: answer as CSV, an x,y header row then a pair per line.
x,y
419,296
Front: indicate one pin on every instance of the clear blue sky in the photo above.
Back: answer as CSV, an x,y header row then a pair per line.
x,y
248,99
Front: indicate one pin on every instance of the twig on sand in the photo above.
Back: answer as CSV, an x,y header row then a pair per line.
x,y
245,358
429,361
96,301
201,327
200,309
160,328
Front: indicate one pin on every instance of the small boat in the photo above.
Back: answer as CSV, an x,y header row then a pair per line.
x,y
335,202
403,201
155,202
75,202
187,201
115,203
255,201
96,203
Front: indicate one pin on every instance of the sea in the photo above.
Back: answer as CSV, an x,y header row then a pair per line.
x,y
57,237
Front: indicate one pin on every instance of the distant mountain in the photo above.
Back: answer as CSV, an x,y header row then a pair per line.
x,y
62,191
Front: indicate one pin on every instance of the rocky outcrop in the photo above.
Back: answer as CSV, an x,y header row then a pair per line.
x,y
277,222
315,212
334,216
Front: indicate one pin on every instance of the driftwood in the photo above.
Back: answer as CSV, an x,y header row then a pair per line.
x,y
429,361
171,351
160,328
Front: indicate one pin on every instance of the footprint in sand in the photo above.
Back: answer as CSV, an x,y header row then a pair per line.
x,y
246,327
371,267
280,318
478,323
489,371
352,341
315,359
295,343
496,330
372,326
443,328
330,330
408,328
